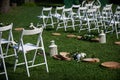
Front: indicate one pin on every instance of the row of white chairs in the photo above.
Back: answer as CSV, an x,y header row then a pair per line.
x,y
64,16
23,46
81,16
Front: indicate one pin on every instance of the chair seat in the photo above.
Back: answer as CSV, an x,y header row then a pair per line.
x,y
44,16
3,41
115,22
56,15
88,19
27,47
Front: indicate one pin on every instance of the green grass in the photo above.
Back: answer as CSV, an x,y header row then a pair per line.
x,y
62,70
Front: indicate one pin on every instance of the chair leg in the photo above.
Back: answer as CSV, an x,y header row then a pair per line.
x,y
7,49
52,23
26,64
45,61
5,68
73,25
88,26
116,31
3,61
44,24
96,26
16,60
44,55
33,61
65,25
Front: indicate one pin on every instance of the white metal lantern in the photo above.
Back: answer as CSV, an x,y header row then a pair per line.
x,y
53,48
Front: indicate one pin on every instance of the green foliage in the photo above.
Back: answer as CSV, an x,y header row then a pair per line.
x,y
30,4
88,36
61,70
76,2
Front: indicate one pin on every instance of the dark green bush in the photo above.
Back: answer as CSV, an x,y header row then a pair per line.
x,y
30,4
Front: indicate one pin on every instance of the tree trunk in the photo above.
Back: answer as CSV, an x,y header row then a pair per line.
x,y
4,6
26,1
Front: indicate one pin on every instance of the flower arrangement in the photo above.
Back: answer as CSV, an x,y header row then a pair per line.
x,y
88,36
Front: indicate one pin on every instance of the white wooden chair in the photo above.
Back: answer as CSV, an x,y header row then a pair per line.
x,y
87,18
116,21
7,38
91,18
46,17
58,13
82,11
4,72
75,15
27,46
66,20
107,16
99,19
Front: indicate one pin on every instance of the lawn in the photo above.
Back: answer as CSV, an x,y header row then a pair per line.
x,y
62,70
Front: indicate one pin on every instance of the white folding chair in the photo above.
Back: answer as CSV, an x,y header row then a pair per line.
x,y
116,21
66,20
58,13
75,15
46,17
117,12
91,18
2,60
107,16
82,11
7,38
26,46
99,19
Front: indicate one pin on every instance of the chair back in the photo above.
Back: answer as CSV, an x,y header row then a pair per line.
x,y
58,11
75,8
67,13
47,11
92,13
35,33
117,14
89,6
107,13
82,12
7,31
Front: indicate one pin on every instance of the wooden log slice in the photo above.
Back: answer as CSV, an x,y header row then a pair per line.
x,y
95,39
111,64
56,34
117,43
79,37
71,36
91,60
19,29
64,54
